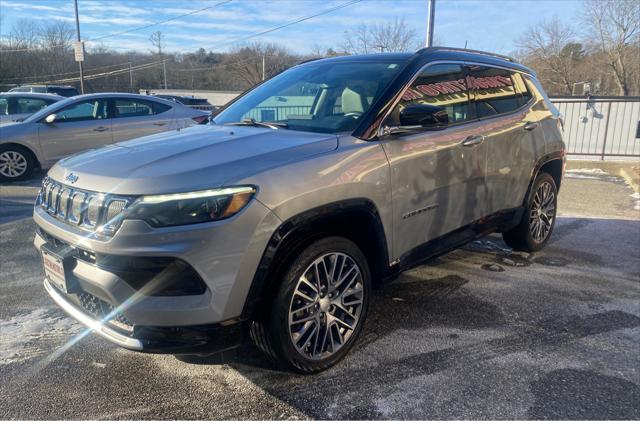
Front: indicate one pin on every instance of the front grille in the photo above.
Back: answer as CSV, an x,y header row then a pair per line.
x,y
102,310
85,209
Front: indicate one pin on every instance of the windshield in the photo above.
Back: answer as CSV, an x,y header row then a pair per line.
x,y
327,97
48,110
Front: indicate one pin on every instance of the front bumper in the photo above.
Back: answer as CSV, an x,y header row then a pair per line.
x,y
181,340
224,254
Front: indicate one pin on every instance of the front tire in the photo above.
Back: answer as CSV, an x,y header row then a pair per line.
x,y
320,308
539,218
16,163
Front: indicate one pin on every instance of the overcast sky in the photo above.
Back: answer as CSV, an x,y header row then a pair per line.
x,y
493,25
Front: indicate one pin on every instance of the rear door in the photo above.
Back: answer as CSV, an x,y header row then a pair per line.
x,y
510,132
79,126
133,117
437,174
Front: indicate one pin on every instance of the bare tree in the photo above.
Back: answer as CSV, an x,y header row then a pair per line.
x,y
55,41
380,37
553,48
158,41
614,26
246,63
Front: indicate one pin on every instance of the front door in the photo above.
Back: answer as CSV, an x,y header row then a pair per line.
x,y
79,126
438,172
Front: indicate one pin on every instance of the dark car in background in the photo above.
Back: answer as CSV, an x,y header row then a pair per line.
x,y
62,90
190,101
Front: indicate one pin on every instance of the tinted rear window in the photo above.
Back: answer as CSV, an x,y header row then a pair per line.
x,y
493,91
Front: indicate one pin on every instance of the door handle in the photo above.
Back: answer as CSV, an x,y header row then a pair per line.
x,y
101,129
473,140
530,125
160,123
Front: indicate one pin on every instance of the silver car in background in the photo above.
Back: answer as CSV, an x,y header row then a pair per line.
x,y
16,106
86,122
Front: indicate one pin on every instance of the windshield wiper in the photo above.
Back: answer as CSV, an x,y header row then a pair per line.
x,y
252,122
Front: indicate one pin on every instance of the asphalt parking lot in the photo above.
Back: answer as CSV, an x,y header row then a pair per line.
x,y
481,332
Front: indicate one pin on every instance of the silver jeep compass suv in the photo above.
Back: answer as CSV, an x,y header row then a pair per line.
x,y
275,220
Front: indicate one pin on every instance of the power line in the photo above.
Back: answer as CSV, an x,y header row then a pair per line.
x,y
302,19
65,73
105,74
193,12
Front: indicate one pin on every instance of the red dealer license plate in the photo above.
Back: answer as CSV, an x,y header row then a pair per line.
x,y
54,269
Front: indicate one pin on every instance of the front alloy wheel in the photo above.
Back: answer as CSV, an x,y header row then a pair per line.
x,y
326,305
319,308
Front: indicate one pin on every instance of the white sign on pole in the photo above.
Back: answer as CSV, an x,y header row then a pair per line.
x,y
78,49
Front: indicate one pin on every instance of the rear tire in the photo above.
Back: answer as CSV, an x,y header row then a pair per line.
x,y
16,163
538,219
319,309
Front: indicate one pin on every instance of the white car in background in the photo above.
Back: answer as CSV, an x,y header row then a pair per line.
x,y
16,106
86,122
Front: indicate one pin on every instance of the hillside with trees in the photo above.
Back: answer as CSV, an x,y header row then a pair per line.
x,y
605,54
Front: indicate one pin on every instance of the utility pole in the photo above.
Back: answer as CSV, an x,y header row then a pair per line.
x,y
75,3
164,72
263,74
431,12
130,78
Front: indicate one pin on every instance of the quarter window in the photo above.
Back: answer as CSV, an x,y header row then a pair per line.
x,y
493,91
521,88
94,109
442,88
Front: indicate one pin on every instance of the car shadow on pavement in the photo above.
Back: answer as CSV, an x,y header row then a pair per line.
x,y
417,304
34,181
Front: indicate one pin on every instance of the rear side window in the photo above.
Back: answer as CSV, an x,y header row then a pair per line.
x,y
443,87
493,91
125,107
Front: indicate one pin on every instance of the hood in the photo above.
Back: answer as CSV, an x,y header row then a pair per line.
x,y
196,158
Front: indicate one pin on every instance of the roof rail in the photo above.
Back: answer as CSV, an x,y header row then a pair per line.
x,y
464,50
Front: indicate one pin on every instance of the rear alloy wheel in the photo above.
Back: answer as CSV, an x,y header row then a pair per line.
x,y
537,223
15,163
320,308
543,212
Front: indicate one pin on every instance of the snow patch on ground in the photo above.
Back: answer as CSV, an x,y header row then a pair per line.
x,y
587,171
27,336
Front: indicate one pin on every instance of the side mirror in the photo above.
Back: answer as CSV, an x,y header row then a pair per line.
x,y
424,115
50,119
416,118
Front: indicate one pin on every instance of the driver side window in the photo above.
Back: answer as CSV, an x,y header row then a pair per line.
x,y
93,109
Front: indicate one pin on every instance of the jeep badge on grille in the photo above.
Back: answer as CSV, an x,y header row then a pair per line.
x,y
71,178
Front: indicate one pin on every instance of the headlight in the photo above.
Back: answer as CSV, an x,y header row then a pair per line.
x,y
167,210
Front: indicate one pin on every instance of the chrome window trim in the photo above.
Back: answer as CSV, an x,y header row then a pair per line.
x,y
398,97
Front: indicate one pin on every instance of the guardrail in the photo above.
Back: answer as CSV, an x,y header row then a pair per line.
x,y
601,126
